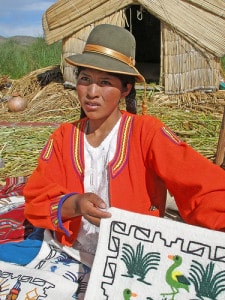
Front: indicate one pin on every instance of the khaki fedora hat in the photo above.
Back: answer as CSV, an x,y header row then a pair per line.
x,y
111,49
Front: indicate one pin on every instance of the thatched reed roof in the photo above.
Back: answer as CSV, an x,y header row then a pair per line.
x,y
201,21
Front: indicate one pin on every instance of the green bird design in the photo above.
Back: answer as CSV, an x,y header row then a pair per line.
x,y
127,294
175,279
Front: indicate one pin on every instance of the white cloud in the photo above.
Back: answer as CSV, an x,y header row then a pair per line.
x,y
12,6
22,17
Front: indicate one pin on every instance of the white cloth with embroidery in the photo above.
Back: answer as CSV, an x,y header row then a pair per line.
x,y
22,283
57,272
153,258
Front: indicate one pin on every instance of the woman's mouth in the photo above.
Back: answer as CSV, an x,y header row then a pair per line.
x,y
91,105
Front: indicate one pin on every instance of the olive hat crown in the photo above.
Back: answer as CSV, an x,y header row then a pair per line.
x,y
109,48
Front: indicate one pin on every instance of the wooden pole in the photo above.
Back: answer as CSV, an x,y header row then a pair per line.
x,y
221,143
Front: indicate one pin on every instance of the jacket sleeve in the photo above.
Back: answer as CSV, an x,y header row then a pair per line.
x,y
197,184
45,189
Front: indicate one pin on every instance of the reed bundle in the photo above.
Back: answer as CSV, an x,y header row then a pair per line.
x,y
198,129
20,148
46,96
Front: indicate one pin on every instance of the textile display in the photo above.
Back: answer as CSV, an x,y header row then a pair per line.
x,y
56,272
18,282
149,258
13,187
138,257
32,264
13,225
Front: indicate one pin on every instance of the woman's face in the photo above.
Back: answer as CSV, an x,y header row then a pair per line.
x,y
99,93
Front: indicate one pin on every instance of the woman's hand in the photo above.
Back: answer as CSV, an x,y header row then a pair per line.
x,y
88,205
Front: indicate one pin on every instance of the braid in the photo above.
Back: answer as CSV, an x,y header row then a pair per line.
x,y
131,102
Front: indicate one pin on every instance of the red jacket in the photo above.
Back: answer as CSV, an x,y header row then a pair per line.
x,y
149,159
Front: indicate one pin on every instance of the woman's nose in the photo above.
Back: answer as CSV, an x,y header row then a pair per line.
x,y
93,90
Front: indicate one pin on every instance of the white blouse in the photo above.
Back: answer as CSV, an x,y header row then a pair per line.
x,y
96,181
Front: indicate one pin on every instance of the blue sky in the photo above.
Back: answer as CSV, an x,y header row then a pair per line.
x,y
22,17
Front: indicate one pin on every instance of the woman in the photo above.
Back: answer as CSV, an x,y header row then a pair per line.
x,y
114,158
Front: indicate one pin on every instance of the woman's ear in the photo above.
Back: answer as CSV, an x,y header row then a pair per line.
x,y
126,90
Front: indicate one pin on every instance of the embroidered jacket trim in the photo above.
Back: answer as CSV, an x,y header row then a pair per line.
x,y
122,150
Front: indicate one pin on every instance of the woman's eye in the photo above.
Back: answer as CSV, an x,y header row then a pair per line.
x,y
105,82
84,78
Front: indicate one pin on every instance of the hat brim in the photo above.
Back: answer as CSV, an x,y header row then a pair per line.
x,y
104,63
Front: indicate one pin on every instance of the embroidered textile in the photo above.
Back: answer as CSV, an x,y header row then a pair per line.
x,y
156,259
13,225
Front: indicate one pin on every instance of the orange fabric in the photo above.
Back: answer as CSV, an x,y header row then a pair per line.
x,y
152,159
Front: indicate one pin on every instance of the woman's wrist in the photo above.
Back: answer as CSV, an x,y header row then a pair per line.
x,y
68,206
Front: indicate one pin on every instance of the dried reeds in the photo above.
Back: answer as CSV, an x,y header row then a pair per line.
x,y
20,148
186,67
195,117
50,102
65,18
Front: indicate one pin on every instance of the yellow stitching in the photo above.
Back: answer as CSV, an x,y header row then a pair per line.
x,y
124,146
171,135
48,149
76,153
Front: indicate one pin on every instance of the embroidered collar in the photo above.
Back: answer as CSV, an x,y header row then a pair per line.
x,y
122,150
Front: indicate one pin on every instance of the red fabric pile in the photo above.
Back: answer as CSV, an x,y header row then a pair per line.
x,y
13,225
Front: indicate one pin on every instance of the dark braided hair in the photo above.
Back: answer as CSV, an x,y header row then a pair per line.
x,y
130,99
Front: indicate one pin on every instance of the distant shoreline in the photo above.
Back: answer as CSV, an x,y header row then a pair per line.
x,y
21,39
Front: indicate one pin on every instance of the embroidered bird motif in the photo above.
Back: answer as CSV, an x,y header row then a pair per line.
x,y
175,279
127,294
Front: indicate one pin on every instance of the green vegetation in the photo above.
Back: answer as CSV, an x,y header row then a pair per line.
x,y
17,60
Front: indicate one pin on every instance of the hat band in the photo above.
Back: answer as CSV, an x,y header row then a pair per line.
x,y
110,52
